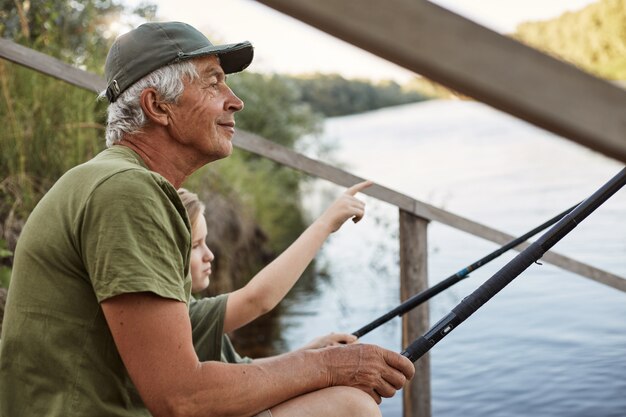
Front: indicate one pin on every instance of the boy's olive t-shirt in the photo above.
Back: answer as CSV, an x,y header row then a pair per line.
x,y
207,330
107,227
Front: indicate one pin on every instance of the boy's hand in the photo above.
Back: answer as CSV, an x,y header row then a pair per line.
x,y
345,207
333,339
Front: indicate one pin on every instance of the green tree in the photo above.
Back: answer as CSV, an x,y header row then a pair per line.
x,y
49,126
78,33
593,38
333,95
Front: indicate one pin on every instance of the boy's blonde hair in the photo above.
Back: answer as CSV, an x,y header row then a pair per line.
x,y
192,204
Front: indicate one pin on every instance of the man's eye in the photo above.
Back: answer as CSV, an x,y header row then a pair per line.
x,y
211,86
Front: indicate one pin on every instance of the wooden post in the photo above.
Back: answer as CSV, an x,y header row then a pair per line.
x,y
414,279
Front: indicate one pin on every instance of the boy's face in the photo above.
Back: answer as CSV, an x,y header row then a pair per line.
x,y
201,256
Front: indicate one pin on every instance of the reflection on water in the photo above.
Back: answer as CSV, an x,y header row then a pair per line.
x,y
551,343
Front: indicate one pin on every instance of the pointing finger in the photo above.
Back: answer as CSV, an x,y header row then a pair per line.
x,y
359,187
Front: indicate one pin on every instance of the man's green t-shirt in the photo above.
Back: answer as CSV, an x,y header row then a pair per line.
x,y
107,227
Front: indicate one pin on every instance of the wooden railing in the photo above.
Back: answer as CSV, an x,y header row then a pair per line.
x,y
414,217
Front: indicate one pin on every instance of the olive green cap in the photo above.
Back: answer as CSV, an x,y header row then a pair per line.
x,y
154,45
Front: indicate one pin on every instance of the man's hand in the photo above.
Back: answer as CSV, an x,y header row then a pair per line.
x,y
372,369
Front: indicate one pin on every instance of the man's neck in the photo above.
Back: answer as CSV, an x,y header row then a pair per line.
x,y
161,156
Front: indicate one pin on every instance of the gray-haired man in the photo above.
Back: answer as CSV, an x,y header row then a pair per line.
x,y
97,308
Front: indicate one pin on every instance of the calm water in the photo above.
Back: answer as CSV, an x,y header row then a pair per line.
x,y
551,343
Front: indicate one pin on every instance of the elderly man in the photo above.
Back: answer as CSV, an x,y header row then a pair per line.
x,y
97,308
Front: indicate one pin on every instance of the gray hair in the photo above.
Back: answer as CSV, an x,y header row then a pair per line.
x,y
125,115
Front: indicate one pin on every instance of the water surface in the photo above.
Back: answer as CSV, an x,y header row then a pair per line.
x,y
551,343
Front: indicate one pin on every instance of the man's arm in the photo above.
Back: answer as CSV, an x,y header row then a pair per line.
x,y
153,337
271,284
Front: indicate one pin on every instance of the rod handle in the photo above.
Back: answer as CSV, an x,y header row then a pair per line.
x,y
417,349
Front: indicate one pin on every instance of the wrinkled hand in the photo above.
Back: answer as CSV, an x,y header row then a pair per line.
x,y
345,207
376,371
333,339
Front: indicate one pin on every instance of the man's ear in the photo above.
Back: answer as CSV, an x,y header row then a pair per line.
x,y
155,110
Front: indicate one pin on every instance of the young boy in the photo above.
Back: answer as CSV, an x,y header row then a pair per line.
x,y
212,318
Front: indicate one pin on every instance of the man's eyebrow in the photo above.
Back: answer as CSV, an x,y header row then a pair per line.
x,y
210,72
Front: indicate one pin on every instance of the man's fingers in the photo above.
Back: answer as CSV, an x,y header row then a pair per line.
x,y
401,363
395,379
384,389
359,187
375,396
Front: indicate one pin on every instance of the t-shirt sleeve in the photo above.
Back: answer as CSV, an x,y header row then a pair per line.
x,y
135,238
230,355
207,326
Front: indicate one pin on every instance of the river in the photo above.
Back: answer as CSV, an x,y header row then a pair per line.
x,y
551,343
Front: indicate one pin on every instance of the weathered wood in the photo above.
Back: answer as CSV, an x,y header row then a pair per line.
x,y
260,146
285,156
50,66
478,62
415,323
256,144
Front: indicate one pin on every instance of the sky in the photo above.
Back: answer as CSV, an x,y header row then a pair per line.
x,y
285,45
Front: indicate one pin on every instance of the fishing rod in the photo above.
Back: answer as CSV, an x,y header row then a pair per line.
x,y
427,294
511,270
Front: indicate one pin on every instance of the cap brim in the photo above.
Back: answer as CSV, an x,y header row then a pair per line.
x,y
234,57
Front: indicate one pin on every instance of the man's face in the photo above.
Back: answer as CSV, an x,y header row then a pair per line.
x,y
204,117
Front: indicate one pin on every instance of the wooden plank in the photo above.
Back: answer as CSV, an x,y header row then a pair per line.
x,y
256,144
285,156
260,146
478,62
413,280
50,66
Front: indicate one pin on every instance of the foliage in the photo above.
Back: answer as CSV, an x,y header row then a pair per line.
x,y
69,30
275,107
274,110
593,38
431,89
333,95
48,126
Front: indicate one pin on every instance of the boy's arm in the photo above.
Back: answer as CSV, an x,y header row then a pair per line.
x,y
271,284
